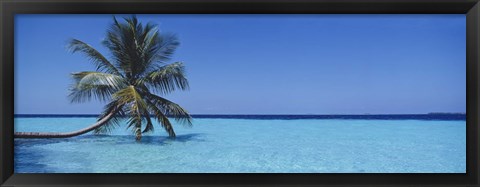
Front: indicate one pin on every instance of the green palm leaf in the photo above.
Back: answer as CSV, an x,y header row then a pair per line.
x,y
168,78
100,61
170,108
94,85
149,126
115,121
162,119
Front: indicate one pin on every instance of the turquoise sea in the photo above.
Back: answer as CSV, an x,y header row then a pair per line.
x,y
243,144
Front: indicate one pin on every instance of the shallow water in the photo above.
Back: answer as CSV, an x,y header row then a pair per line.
x,y
249,145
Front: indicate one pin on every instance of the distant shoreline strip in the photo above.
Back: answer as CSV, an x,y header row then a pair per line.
x,y
450,117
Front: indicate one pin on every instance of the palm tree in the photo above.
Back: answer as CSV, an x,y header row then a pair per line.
x,y
128,83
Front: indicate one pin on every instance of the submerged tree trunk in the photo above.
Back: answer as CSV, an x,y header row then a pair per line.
x,y
64,135
138,134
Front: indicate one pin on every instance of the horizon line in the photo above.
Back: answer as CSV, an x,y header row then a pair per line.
x,y
430,113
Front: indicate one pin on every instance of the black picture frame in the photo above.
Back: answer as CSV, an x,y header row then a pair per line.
x,y
8,8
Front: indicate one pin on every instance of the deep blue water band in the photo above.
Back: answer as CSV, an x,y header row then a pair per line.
x,y
448,117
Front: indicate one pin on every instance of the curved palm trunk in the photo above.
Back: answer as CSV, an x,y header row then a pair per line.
x,y
64,135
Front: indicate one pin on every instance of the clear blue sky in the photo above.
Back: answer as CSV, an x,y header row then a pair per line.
x,y
266,64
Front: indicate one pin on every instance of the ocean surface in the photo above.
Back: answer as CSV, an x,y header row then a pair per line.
x,y
251,144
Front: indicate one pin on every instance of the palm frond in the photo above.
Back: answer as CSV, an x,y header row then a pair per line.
x,y
130,95
160,47
114,122
137,48
115,44
171,109
161,118
94,85
149,125
168,78
98,78
96,57
120,41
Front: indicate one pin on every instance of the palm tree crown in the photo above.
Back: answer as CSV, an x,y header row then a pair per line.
x,y
132,80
